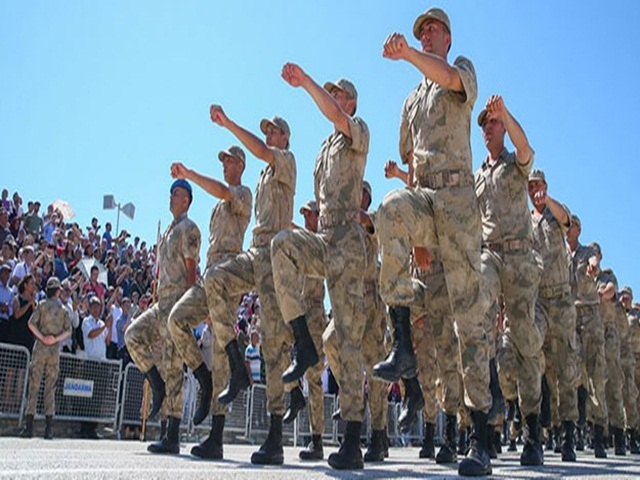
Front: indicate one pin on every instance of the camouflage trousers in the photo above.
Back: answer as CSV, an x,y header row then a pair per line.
x,y
594,366
317,322
144,333
516,277
436,343
190,311
637,379
449,219
339,255
373,349
630,390
45,361
251,270
615,379
556,318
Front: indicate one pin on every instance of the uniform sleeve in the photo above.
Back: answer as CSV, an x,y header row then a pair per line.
x,y
467,74
34,319
241,200
191,242
564,228
525,169
359,135
68,319
284,166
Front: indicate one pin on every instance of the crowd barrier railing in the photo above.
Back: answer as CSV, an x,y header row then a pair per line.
x,y
14,373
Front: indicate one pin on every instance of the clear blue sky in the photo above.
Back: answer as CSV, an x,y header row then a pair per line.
x,y
101,97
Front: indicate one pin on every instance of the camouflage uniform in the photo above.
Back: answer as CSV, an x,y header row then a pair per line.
x,y
442,211
633,342
252,270
628,365
227,226
591,333
373,339
511,268
180,242
313,293
556,316
435,341
615,379
338,253
49,318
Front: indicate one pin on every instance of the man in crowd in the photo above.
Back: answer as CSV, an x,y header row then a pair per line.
x,y
251,270
555,312
631,367
442,211
584,269
178,254
227,226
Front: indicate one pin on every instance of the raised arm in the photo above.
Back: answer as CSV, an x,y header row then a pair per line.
x,y
295,76
496,107
254,144
432,66
210,185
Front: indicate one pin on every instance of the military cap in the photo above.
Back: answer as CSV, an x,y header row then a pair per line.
x,y
311,206
233,151
53,283
367,187
278,122
182,183
344,85
433,13
537,175
626,290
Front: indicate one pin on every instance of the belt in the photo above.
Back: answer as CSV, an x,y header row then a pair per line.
x,y
334,219
445,179
553,291
587,308
262,239
515,245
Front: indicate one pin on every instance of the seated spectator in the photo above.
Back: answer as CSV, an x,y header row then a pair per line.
x,y
253,359
24,266
6,302
8,255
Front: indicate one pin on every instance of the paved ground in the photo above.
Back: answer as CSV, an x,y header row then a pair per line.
x,y
79,459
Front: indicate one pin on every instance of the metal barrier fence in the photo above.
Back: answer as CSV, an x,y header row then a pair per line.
x,y
87,390
14,372
131,401
258,417
303,422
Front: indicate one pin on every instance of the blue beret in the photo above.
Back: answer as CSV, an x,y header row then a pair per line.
x,y
182,183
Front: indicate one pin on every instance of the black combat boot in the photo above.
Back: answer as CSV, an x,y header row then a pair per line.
x,y
619,446
271,451
239,379
304,351
27,429
158,391
48,427
211,448
580,438
375,452
477,462
412,404
314,450
463,441
428,450
532,455
171,442
447,452
633,441
349,456
491,446
401,361
203,376
385,439
296,404
567,449
598,442
557,439
497,399
163,429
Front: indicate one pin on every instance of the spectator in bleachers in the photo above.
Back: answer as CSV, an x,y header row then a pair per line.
x,y
18,210
6,302
24,266
107,235
50,225
92,285
123,322
96,333
32,221
5,233
68,299
6,203
114,306
24,303
8,255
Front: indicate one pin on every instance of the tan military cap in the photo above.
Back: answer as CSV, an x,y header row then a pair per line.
x,y
537,175
311,206
278,122
344,85
233,151
53,283
435,14
626,290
